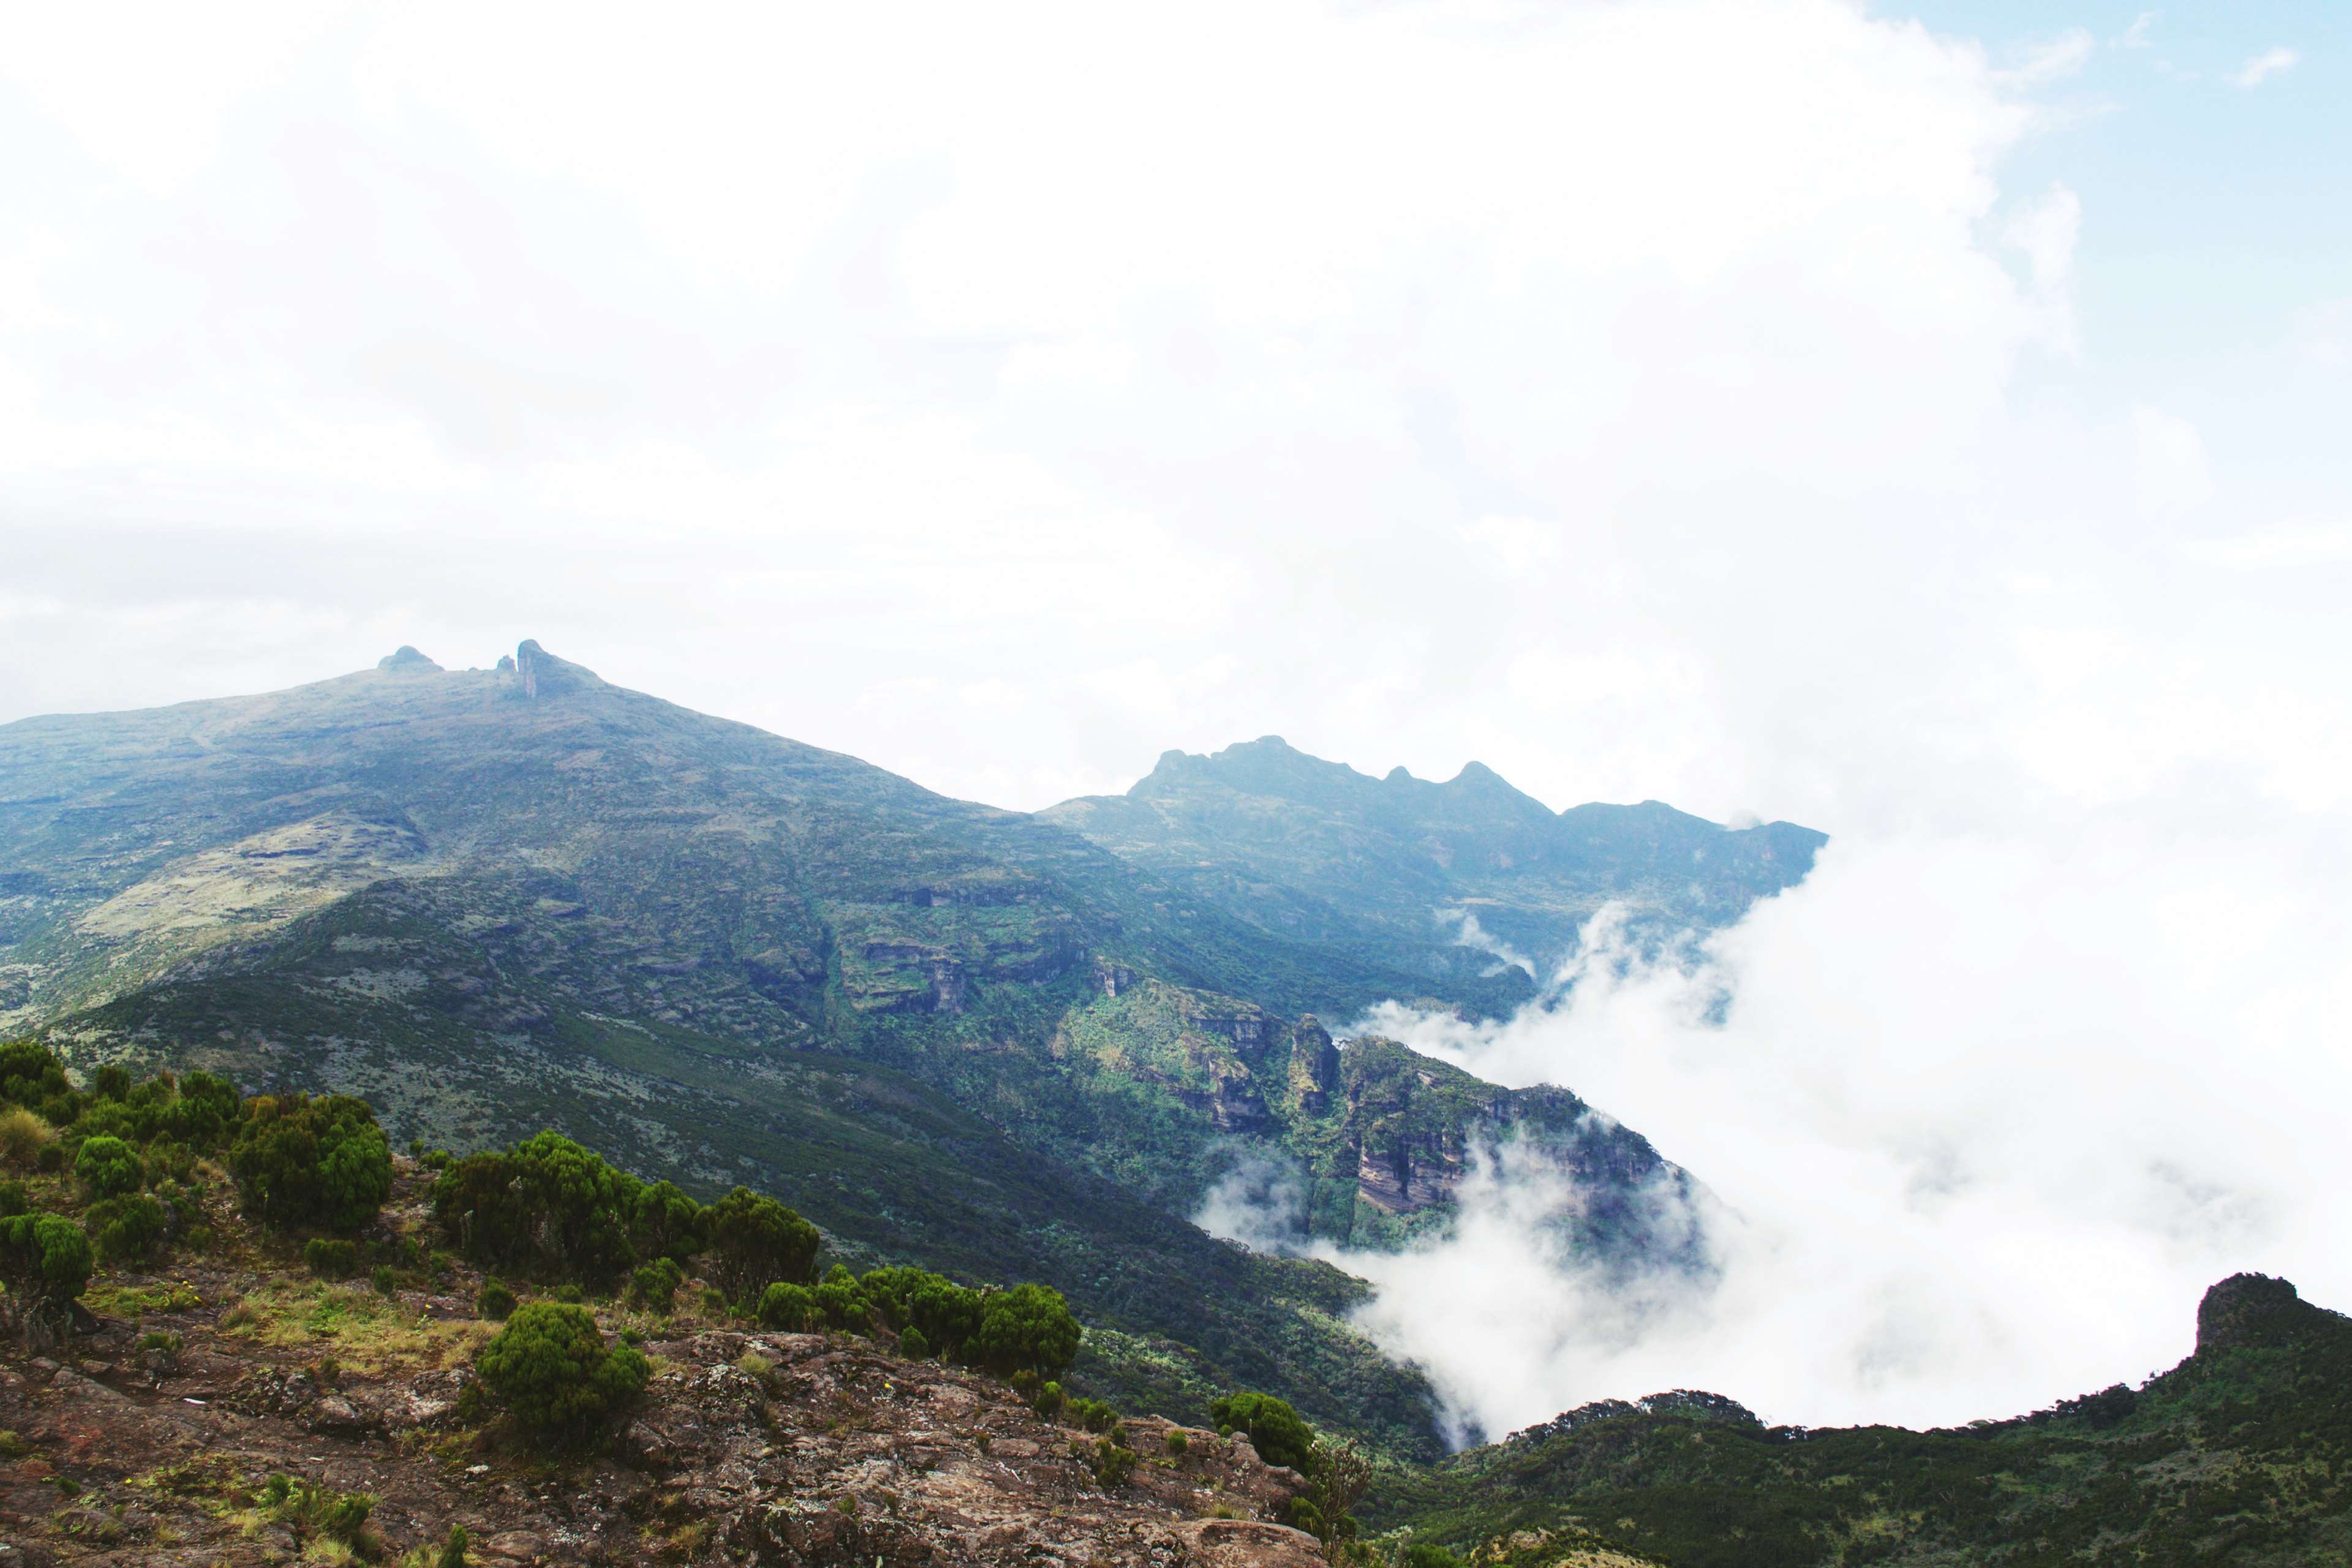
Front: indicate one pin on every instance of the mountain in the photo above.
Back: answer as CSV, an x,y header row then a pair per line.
x,y
2241,1455
1455,882
497,899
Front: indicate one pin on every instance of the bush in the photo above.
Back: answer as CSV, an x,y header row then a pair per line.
x,y
1026,1329
943,1311
1429,1555
494,1300
842,1304
788,1308
299,1160
547,1209
913,1346
666,1224
653,1286
1092,1414
331,1259
1177,1442
755,1240
23,1136
31,1075
13,1199
128,1229
1273,1427
108,1167
1114,1462
551,1369
386,1282
45,1261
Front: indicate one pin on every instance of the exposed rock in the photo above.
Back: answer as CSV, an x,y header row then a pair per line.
x,y
406,660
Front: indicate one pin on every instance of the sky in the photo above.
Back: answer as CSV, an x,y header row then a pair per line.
x,y
1922,424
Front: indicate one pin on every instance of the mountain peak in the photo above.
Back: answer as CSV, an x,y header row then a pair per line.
x,y
406,659
543,673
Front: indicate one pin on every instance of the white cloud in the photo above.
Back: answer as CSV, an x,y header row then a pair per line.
x,y
2054,59
1970,1158
2137,35
2261,67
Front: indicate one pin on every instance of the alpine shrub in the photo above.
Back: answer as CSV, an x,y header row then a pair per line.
x,y
331,1259
1273,1427
494,1300
653,1286
128,1229
1026,1329
551,1369
108,1167
754,1240
913,1346
788,1308
45,1261
841,1303
299,1160
546,1209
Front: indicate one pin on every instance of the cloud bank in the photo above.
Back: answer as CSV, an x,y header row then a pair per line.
x,y
1983,1118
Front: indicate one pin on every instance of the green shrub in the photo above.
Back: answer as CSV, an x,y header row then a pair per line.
x,y
45,1261
111,1081
385,1280
330,1258
788,1308
453,1548
552,1369
943,1311
1429,1555
1177,1442
52,1157
494,1300
1273,1427
1093,1415
31,1075
1045,1397
304,1162
1026,1329
14,1200
546,1209
841,1303
108,1167
128,1229
754,1240
913,1346
1114,1462
654,1287
666,1224
23,1136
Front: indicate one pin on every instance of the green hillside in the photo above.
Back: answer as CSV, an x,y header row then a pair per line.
x,y
2241,1455
497,899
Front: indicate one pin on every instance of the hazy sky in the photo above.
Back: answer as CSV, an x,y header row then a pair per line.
x,y
1763,406
1929,429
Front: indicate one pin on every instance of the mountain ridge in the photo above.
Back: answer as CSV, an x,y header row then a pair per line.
x,y
497,899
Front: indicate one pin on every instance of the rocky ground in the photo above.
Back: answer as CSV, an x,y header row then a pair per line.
x,y
128,1448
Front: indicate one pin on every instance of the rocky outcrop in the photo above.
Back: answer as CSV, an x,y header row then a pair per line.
x,y
1314,1066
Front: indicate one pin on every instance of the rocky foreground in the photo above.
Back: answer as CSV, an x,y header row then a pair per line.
x,y
154,1439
